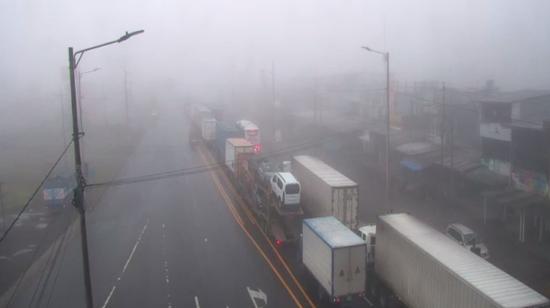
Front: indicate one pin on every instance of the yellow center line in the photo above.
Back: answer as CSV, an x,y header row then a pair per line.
x,y
281,259
287,268
237,218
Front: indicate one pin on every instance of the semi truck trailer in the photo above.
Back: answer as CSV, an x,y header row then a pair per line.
x,y
335,257
325,191
420,267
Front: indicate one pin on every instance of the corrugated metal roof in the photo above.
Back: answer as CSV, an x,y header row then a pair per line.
x,y
333,232
501,288
325,172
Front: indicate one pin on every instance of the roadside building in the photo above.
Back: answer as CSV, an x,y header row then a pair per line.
x,y
514,144
498,113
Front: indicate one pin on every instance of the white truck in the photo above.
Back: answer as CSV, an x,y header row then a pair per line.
x,y
325,191
234,147
208,129
420,267
335,257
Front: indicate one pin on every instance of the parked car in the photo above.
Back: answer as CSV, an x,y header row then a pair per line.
x,y
468,239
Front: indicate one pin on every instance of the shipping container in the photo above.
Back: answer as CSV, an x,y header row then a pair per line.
x,y
208,129
335,256
426,269
233,148
325,191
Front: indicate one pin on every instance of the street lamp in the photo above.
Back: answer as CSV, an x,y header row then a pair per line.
x,y
78,200
386,56
80,74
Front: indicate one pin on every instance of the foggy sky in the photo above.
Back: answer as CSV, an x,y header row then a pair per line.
x,y
210,44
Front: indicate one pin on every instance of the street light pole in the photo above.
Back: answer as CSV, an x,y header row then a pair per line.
x,y
79,190
388,119
78,199
386,56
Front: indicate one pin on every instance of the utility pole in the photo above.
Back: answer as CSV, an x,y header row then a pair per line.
x,y
78,199
80,100
79,190
386,56
273,82
388,118
451,155
80,113
316,115
126,94
442,125
2,208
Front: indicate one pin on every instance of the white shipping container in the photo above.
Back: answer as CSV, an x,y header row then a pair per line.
x,y
334,255
233,147
325,191
208,129
426,269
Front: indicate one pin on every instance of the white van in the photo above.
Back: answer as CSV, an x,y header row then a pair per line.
x,y
287,189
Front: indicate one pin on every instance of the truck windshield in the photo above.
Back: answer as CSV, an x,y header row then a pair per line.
x,y
292,189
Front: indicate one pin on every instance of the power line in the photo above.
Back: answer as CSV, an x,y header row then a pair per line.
x,y
35,191
190,170
207,167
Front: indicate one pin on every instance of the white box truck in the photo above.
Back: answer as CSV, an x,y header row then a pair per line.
x,y
423,268
234,147
208,129
325,191
335,256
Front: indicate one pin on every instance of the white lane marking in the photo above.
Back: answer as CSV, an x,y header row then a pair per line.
x,y
41,226
109,296
166,271
138,241
21,251
134,249
257,295
197,302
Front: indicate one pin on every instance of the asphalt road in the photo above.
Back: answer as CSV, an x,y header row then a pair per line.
x,y
167,243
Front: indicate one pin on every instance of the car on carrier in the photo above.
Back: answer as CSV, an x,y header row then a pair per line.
x,y
286,189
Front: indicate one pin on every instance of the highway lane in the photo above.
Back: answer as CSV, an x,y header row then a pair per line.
x,y
167,243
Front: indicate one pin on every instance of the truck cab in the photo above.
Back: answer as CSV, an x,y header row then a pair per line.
x,y
368,234
286,189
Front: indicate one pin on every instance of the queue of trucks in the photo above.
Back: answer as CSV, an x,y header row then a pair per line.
x,y
399,261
